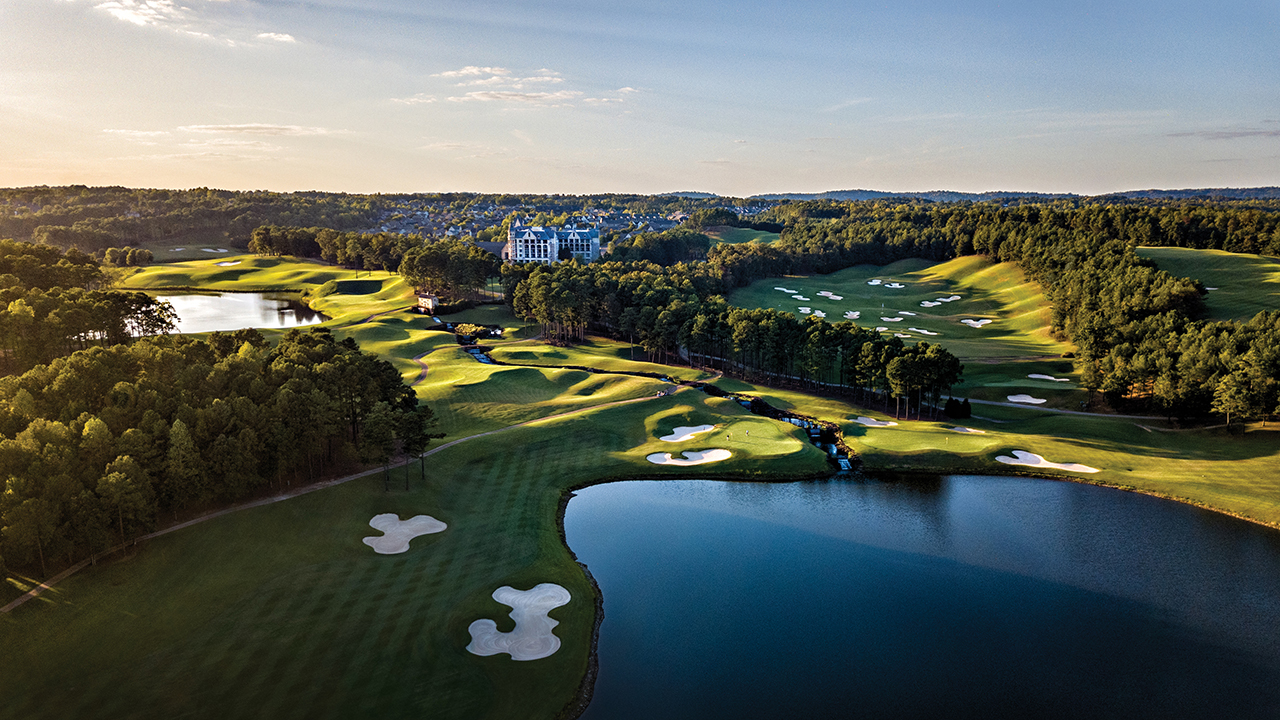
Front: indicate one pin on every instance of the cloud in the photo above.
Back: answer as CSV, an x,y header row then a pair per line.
x,y
257,129
144,12
1228,134
227,143
278,37
627,90
847,104
419,99
549,99
138,133
473,70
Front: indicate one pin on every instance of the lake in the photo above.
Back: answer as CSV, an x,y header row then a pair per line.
x,y
954,597
235,311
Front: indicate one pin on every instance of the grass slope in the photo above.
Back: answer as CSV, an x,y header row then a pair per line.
x,y
726,234
1245,284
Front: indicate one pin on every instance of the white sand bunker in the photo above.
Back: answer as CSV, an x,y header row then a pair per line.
x,y
872,422
227,263
826,293
906,312
819,313
881,329
800,297
1022,457
975,323
922,332
806,310
176,249
901,335
213,250
1038,376
686,432
1025,399
399,532
963,429
891,319
532,638
873,282
953,298
894,286
691,457
1209,288
852,315
926,303
789,292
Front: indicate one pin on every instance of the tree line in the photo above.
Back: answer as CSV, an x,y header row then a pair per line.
x,y
97,447
52,304
675,310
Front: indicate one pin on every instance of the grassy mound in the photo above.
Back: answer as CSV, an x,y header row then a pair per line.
x,y
726,234
1246,284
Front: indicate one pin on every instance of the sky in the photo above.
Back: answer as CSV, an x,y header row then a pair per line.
x,y
590,96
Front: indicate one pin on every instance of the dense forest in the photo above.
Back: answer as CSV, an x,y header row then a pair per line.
x,y
108,424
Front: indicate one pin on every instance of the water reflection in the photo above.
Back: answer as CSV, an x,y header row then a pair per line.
x,y
235,311
960,596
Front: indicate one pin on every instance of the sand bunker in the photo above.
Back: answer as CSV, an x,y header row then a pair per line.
x,y
922,332
227,263
806,310
906,312
926,303
953,298
891,319
872,422
852,315
800,297
963,429
881,329
176,249
825,292
789,292
1209,288
894,286
1038,376
1026,399
819,313
213,250
686,432
691,457
532,638
399,532
873,282
1022,457
901,335
975,323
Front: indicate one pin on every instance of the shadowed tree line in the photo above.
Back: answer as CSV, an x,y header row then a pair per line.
x,y
51,304
97,446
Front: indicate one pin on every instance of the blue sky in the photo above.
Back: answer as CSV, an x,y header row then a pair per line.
x,y
728,97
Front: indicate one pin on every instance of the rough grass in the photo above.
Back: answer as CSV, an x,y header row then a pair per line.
x,y
281,611
996,291
1246,284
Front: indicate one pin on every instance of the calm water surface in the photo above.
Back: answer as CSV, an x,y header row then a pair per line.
x,y
236,311
960,597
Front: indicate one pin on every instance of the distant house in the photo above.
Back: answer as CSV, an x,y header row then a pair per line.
x,y
427,304
543,244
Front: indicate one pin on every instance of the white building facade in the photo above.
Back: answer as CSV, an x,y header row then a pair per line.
x,y
543,244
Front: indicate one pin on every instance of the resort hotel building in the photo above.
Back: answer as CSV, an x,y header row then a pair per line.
x,y
544,244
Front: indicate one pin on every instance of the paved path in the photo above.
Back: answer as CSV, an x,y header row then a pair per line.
x,y
47,584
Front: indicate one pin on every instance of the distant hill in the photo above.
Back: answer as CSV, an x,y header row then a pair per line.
x,y
690,194
1259,193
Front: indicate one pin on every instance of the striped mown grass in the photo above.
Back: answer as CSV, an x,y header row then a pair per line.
x,y
281,611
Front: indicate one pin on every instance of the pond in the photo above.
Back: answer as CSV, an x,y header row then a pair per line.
x,y
954,597
235,311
